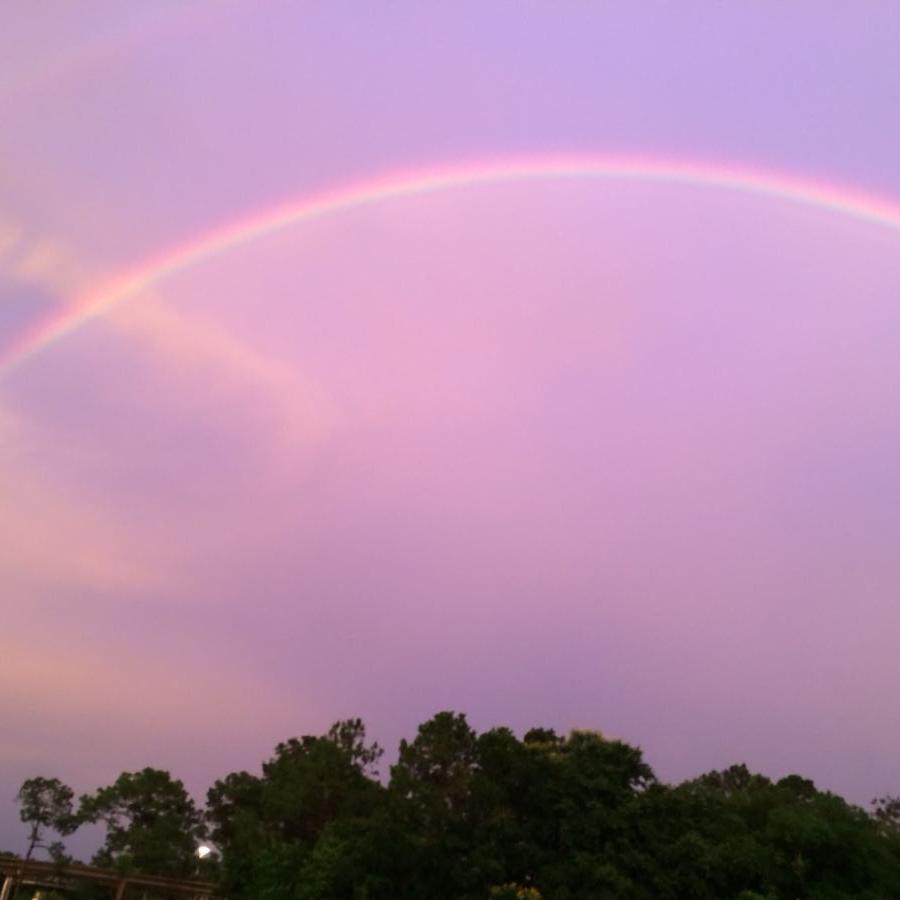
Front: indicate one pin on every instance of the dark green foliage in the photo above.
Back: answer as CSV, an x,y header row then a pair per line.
x,y
289,828
152,824
887,814
46,804
467,816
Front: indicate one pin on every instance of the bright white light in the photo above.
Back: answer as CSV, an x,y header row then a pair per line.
x,y
203,851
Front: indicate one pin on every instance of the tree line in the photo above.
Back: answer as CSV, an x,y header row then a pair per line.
x,y
468,816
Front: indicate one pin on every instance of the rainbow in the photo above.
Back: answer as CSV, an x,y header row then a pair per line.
x,y
782,186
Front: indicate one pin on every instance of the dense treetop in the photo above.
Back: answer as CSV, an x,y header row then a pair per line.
x,y
467,816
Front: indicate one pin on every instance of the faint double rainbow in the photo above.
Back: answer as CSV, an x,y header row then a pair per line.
x,y
828,197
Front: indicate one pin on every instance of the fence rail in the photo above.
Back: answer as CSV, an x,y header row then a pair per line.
x,y
50,875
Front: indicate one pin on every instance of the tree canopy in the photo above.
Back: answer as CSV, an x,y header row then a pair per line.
x,y
466,815
490,816
46,804
152,823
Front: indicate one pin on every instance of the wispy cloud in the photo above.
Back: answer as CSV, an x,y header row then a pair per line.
x,y
44,261
188,347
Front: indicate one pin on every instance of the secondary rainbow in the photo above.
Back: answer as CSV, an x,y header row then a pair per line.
x,y
834,198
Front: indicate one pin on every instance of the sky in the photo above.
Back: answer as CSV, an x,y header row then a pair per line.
x,y
566,439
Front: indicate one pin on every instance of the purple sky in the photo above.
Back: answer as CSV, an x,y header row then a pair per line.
x,y
578,454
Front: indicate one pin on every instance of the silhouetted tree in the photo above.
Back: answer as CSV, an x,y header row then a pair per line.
x,y
46,803
152,824
468,816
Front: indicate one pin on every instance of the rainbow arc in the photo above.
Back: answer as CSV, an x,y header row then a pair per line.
x,y
832,198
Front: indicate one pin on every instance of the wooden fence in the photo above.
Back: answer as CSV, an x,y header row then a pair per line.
x,y
51,876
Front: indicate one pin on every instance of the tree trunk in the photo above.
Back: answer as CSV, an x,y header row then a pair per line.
x,y
32,842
